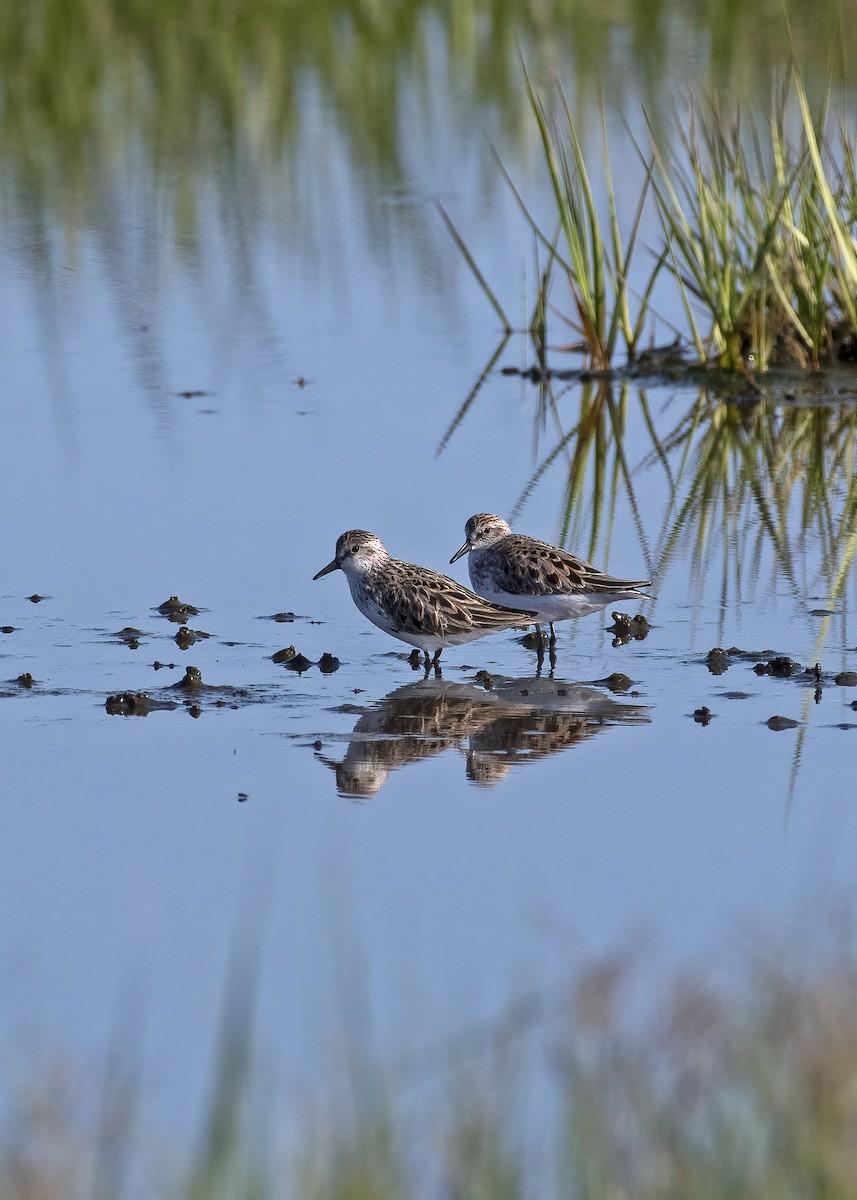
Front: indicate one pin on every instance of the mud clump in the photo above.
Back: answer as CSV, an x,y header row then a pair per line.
x,y
185,638
617,682
626,629
283,656
702,715
177,610
129,636
781,667
846,679
778,723
717,660
26,680
328,663
299,663
126,704
191,681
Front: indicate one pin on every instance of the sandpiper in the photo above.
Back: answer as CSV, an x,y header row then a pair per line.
x,y
512,569
415,604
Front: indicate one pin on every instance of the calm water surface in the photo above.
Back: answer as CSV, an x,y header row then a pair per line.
x,y
432,845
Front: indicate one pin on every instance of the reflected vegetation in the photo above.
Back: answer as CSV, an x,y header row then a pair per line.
x,y
506,723
742,482
269,88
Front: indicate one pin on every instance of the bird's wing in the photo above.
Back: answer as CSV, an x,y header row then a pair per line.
x,y
424,601
525,567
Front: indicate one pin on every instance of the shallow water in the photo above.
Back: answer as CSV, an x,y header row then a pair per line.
x,y
204,422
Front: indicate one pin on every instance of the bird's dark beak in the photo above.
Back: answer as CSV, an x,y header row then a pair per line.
x,y
333,565
465,549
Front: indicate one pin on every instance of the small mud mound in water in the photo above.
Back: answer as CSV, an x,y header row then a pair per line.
x,y
626,629
135,704
299,663
779,723
185,637
782,667
192,695
177,610
129,636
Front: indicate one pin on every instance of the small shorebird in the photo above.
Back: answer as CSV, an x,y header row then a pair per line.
x,y
512,569
415,604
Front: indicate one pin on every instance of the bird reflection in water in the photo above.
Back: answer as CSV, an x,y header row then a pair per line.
x,y
513,722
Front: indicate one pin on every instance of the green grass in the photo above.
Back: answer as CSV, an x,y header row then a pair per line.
x,y
758,214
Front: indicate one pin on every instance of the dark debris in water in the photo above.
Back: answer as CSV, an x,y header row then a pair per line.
x,y
129,636
7,628
26,680
767,662
191,681
846,679
135,704
778,723
185,637
177,610
717,660
669,363
282,618
617,682
702,715
293,661
626,628
299,663
36,598
781,667
188,695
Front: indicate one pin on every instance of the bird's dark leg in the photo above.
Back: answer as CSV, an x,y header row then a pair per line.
x,y
553,636
435,662
552,658
426,660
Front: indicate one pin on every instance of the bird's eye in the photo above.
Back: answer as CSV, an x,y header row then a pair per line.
x,y
354,549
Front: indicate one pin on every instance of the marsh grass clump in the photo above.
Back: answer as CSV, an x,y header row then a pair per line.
x,y
758,217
